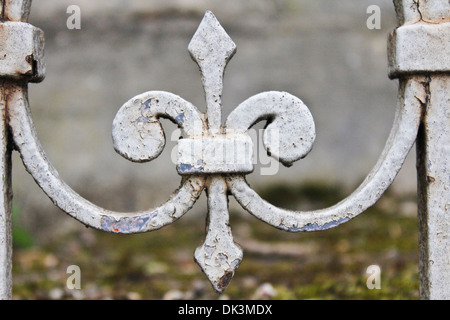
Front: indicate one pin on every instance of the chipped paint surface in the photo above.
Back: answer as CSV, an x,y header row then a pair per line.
x,y
21,50
314,226
6,240
125,224
138,136
186,168
433,146
15,10
21,44
290,133
212,48
401,140
137,132
221,154
218,256
429,11
37,164
420,48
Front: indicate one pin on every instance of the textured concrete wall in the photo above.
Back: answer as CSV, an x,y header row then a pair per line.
x,y
320,51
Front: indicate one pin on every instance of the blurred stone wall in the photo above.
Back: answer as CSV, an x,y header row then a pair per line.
x,y
320,51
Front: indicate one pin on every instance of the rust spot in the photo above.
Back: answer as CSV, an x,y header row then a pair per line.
x,y
430,179
225,280
126,224
33,63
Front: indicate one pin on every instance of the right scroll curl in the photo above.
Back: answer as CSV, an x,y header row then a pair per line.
x,y
412,95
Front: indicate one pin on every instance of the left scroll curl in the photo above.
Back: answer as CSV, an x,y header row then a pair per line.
x,y
137,132
64,197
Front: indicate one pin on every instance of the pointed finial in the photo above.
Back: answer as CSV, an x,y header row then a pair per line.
x,y
211,48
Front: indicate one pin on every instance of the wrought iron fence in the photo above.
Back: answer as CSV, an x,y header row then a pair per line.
x,y
215,157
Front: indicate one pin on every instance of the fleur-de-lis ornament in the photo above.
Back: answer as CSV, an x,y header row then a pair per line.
x,y
209,149
214,157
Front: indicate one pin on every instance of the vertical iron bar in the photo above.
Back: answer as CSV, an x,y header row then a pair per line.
x,y
5,201
433,167
10,10
419,47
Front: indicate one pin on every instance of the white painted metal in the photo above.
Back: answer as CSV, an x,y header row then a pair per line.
x,y
400,141
5,200
211,48
16,10
13,13
37,164
433,163
221,154
422,46
430,11
138,136
218,256
137,132
21,51
290,132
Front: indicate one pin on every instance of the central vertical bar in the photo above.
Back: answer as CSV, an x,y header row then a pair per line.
x,y
211,48
218,256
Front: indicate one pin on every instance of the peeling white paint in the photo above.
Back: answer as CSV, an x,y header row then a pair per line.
x,y
418,57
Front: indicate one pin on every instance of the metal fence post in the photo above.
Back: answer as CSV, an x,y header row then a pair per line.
x,y
5,202
420,48
433,168
21,51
